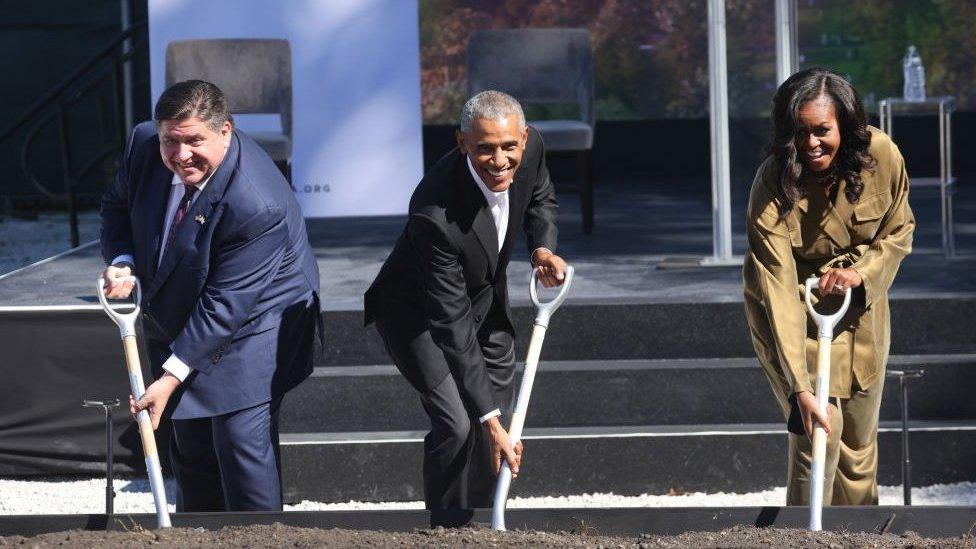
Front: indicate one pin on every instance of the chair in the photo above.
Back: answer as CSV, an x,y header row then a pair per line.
x,y
549,66
255,74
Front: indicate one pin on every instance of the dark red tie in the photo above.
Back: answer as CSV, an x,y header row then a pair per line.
x,y
188,192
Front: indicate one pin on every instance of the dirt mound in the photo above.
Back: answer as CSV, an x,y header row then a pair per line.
x,y
278,535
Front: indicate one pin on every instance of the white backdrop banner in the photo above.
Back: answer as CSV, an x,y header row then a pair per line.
x,y
357,145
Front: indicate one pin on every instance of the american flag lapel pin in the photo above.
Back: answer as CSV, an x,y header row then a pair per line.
x,y
200,219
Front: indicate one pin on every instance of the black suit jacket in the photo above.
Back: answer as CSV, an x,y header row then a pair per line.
x,y
446,269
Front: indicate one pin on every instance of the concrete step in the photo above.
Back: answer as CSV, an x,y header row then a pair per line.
x,y
655,329
386,466
617,392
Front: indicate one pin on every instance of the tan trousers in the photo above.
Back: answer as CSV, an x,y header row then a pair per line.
x,y
851,471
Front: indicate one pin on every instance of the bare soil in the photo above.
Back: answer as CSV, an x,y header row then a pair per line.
x,y
278,535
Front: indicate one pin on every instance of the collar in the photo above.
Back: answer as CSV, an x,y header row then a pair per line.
x,y
177,181
491,196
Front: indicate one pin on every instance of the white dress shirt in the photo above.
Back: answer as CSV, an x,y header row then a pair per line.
x,y
177,190
498,204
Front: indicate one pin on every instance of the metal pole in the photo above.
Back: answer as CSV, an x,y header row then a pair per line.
x,y
126,70
107,404
906,462
66,175
787,54
109,463
942,180
719,126
906,468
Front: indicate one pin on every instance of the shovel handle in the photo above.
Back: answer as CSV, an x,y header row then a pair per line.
x,y
825,323
125,321
545,310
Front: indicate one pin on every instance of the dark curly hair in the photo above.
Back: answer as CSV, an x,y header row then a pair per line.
x,y
852,157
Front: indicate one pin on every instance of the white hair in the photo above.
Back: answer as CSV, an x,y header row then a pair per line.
x,y
491,105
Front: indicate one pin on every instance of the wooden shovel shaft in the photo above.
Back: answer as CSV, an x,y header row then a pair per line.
x,y
137,386
153,469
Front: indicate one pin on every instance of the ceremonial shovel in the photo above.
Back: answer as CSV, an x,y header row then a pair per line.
x,y
825,334
127,325
543,312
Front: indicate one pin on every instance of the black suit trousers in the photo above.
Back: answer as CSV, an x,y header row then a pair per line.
x,y
457,455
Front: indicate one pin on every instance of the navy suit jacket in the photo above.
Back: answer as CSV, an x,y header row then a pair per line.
x,y
235,297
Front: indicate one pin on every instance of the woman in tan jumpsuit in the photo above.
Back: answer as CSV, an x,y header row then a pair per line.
x,y
831,201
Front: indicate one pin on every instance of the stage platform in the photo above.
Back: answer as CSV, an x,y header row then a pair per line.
x,y
637,226
649,369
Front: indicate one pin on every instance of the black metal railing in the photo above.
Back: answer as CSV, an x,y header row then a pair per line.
x,y
55,105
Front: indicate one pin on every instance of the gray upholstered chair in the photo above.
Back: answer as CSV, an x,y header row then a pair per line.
x,y
254,73
547,66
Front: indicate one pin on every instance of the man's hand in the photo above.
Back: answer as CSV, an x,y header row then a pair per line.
x,y
807,403
118,281
501,447
837,281
551,267
155,398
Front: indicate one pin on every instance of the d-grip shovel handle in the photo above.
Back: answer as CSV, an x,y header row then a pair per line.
x,y
125,321
825,323
545,310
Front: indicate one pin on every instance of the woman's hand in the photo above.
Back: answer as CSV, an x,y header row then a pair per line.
x,y
837,281
807,403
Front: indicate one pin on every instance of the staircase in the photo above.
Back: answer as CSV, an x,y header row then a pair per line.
x,y
630,399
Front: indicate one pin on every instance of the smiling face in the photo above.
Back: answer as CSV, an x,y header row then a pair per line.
x,y
817,134
191,148
495,147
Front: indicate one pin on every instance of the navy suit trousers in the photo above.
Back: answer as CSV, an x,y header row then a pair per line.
x,y
229,462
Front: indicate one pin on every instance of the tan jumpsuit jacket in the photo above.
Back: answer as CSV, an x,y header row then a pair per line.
x,y
872,235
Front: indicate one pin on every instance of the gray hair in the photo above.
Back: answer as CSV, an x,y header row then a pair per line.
x,y
193,99
491,105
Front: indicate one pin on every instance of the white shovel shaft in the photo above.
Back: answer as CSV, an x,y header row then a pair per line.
x,y
819,460
501,497
544,312
528,379
825,335
518,422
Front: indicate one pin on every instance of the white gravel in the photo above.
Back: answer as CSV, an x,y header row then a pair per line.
x,y
23,242
59,496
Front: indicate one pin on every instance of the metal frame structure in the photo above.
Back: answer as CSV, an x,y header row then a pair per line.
x,y
718,93
942,107
787,52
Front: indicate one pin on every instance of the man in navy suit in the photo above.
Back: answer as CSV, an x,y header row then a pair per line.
x,y
230,293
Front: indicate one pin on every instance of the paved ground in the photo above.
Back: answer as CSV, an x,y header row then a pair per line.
x,y
637,225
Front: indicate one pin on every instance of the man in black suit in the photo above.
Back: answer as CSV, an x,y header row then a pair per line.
x,y
440,302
